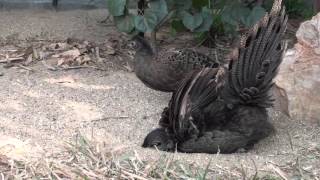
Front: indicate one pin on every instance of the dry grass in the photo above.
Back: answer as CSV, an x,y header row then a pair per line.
x,y
86,159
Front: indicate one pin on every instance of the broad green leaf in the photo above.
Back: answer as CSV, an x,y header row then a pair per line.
x,y
124,23
240,13
192,21
116,7
147,22
159,7
235,13
256,14
182,4
227,17
207,20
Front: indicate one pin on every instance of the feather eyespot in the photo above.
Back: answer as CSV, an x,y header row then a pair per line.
x,y
260,75
266,63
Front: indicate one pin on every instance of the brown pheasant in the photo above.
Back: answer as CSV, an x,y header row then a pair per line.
x,y
163,69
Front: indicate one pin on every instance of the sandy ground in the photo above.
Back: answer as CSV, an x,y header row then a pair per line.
x,y
48,108
49,24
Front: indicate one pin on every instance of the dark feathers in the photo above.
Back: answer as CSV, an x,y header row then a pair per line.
x,y
218,109
256,64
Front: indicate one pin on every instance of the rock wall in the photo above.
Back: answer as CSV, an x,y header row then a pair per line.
x,y
300,73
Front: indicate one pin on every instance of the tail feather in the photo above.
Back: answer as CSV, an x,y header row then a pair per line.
x,y
195,92
256,64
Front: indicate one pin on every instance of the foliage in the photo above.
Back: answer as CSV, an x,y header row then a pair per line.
x,y
296,8
194,15
198,16
299,8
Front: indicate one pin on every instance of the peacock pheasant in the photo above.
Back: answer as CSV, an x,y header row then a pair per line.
x,y
163,69
225,109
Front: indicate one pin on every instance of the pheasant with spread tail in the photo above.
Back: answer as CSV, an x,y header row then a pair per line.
x,y
225,109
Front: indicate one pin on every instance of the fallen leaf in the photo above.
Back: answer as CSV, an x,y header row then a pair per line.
x,y
83,59
67,57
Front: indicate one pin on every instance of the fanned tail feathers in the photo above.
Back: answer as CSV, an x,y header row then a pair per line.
x,y
252,70
195,92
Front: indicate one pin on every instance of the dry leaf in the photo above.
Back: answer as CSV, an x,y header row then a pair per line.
x,y
67,57
83,59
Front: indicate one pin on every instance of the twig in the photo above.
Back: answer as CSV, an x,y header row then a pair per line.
x,y
24,67
243,172
133,175
7,60
105,20
255,168
111,117
298,163
9,50
282,174
97,50
290,140
156,29
49,66
80,67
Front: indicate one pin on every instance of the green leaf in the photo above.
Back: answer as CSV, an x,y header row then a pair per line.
x,y
207,20
147,22
159,7
228,19
177,25
256,14
180,5
192,21
235,13
241,13
227,15
124,23
200,3
116,7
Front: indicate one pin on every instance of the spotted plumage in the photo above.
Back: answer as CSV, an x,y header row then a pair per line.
x,y
163,69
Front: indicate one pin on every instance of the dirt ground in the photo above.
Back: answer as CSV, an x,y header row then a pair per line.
x,y
46,108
